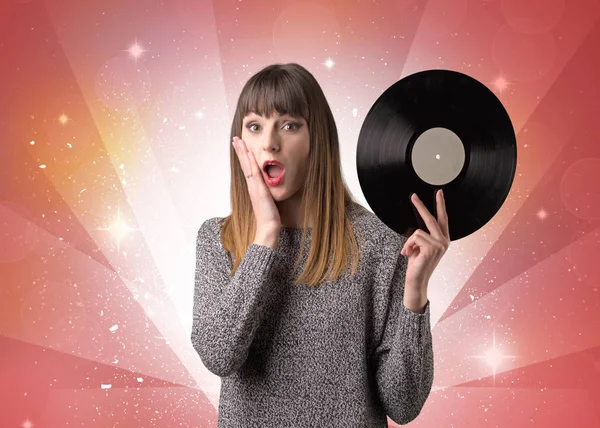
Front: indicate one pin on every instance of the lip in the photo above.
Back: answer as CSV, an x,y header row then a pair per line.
x,y
273,181
272,161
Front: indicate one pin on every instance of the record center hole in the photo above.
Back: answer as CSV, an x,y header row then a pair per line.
x,y
438,156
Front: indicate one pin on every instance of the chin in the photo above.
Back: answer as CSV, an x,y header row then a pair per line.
x,y
282,193
279,194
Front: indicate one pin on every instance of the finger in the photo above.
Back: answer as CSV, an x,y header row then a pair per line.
x,y
241,155
442,214
430,221
236,147
252,164
419,239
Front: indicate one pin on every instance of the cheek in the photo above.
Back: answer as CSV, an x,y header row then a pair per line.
x,y
248,143
246,135
300,171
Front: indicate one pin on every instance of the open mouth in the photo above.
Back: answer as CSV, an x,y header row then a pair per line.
x,y
273,172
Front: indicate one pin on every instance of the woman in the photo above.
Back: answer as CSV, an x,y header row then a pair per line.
x,y
313,344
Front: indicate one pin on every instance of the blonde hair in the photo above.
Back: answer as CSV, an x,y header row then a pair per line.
x,y
291,89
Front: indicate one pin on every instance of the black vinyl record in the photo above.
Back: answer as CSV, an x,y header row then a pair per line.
x,y
436,129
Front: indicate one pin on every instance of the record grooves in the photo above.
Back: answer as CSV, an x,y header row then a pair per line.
x,y
430,130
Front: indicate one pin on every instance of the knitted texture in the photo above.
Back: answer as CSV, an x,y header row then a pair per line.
x,y
345,353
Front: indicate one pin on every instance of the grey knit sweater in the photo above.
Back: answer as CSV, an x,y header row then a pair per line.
x,y
344,354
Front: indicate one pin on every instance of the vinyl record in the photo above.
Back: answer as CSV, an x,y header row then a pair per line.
x,y
436,129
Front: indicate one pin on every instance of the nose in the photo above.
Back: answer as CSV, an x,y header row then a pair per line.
x,y
271,141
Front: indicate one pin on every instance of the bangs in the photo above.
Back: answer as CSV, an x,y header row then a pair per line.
x,y
274,91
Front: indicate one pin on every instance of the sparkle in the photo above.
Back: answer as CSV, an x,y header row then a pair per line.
x,y
329,63
494,356
63,119
501,83
542,214
27,424
119,229
135,50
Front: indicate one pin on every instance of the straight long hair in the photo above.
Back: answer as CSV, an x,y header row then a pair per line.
x,y
291,89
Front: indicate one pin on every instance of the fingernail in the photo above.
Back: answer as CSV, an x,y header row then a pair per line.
x,y
442,193
415,195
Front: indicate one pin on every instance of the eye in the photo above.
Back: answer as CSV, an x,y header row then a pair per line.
x,y
294,124
250,125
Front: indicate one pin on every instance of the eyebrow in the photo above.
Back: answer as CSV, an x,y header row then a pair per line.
x,y
282,117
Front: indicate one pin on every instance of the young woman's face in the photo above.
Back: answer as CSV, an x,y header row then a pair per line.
x,y
282,138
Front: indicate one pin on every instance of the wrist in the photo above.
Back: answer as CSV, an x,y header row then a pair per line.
x,y
268,238
416,303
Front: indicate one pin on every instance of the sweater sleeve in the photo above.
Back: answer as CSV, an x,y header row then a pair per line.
x,y
227,311
403,356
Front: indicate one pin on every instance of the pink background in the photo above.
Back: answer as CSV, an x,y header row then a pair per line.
x,y
114,148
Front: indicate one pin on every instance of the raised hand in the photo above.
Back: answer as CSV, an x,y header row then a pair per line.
x,y
265,211
424,251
